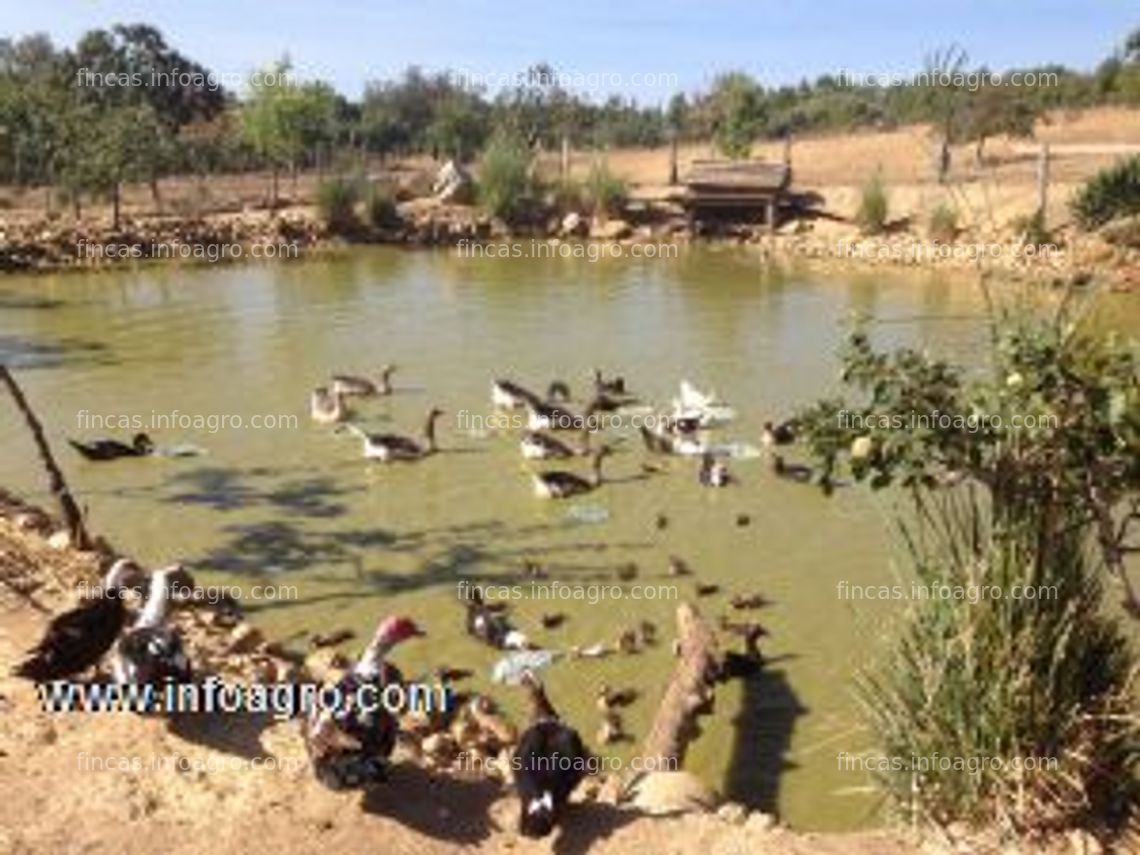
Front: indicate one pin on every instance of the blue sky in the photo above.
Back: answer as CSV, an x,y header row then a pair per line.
x,y
638,48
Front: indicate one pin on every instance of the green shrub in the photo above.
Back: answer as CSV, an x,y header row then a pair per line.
x,y
1111,193
380,208
873,207
507,188
605,193
943,224
336,203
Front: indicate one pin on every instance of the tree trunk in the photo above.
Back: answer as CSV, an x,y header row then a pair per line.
x,y
116,205
72,517
273,190
155,196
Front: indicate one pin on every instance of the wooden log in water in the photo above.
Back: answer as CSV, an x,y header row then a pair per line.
x,y
72,517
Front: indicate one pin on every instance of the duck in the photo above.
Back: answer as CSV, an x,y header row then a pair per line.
x,y
543,416
706,590
150,653
552,620
532,569
627,641
750,601
783,433
491,627
679,566
347,385
692,404
77,639
507,395
557,484
612,729
790,471
654,442
327,407
350,746
111,449
558,391
549,761
713,472
537,445
609,699
627,572
736,665
616,386
647,633
660,522
388,447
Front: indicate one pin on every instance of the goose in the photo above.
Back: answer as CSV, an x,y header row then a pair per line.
x,y
560,485
537,445
507,395
111,449
750,601
706,590
553,620
150,653
349,745
542,416
783,433
790,471
627,572
713,472
77,639
347,385
388,447
691,403
550,761
678,566
558,390
491,627
616,386
327,407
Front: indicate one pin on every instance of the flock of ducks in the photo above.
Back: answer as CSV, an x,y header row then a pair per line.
x,y
350,748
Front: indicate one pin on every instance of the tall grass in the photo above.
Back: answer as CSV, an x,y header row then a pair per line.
x,y
873,206
336,203
1001,680
507,188
605,193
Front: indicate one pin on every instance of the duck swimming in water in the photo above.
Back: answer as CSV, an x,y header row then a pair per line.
x,y
327,407
713,472
77,639
347,385
616,386
151,653
558,390
507,395
111,449
542,416
550,761
783,433
349,746
537,445
388,447
561,485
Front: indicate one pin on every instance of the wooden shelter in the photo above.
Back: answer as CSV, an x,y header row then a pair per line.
x,y
735,189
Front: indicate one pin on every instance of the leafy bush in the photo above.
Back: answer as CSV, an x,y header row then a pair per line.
x,y
605,193
1111,193
1048,498
873,207
381,208
507,188
336,203
943,223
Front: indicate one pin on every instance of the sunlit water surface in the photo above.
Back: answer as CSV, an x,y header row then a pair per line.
x,y
297,506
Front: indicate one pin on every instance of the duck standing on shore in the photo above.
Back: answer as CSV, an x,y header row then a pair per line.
x,y
350,746
77,639
551,761
388,447
347,385
151,653
713,472
111,449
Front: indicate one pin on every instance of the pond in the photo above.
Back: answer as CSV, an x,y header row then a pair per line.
x,y
339,541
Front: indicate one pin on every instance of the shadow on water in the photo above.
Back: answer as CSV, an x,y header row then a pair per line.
x,y
763,736
230,489
25,354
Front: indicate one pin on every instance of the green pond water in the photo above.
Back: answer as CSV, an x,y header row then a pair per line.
x,y
296,506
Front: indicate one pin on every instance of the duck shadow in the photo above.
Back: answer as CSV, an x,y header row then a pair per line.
x,y
442,807
585,824
237,734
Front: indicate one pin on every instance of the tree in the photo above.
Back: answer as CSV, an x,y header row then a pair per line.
x,y
735,101
996,110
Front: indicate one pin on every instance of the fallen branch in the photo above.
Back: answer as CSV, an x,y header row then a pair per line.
x,y
69,509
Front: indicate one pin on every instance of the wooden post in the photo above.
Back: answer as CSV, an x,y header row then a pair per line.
x,y
1042,180
788,151
565,166
72,517
673,177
